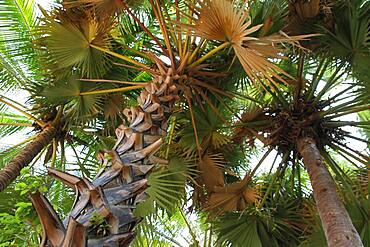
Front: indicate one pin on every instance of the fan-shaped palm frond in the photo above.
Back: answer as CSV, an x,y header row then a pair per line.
x,y
350,39
167,188
231,197
78,107
68,42
221,20
278,222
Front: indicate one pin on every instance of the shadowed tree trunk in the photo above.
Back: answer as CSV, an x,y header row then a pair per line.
x,y
108,201
12,170
337,224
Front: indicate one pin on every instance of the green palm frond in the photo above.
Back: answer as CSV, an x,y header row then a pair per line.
x,y
105,7
208,125
280,222
350,39
17,56
78,107
11,75
159,230
271,14
11,123
365,117
83,159
68,36
167,188
18,19
238,231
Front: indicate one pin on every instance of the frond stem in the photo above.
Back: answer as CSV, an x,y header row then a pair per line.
x,y
17,124
115,90
125,58
30,116
209,54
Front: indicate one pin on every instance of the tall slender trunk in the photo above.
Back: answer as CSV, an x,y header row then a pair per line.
x,y
12,170
107,202
337,224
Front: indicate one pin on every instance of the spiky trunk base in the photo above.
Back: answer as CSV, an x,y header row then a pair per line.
x,y
111,197
337,224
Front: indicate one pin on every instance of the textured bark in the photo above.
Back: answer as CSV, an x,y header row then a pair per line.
x,y
12,170
114,192
337,224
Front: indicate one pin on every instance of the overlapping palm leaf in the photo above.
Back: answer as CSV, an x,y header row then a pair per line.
x,y
221,20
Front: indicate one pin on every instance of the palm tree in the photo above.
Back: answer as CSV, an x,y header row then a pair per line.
x,y
34,72
184,67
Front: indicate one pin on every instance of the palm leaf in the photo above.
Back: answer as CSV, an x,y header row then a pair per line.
x,y
69,41
167,188
17,57
11,123
221,20
78,107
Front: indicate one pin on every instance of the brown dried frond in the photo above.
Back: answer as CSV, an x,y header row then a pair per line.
x,y
232,197
302,12
244,132
253,54
112,107
304,9
220,20
211,171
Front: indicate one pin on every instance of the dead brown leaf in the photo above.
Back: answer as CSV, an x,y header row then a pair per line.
x,y
211,171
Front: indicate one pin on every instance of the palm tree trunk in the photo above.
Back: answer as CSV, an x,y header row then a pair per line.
x,y
108,201
12,170
337,224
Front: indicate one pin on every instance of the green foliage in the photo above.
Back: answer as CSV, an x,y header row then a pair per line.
x,y
14,232
20,225
317,236
17,58
68,43
78,108
99,225
30,183
158,230
208,125
167,188
277,224
350,39
365,116
271,13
